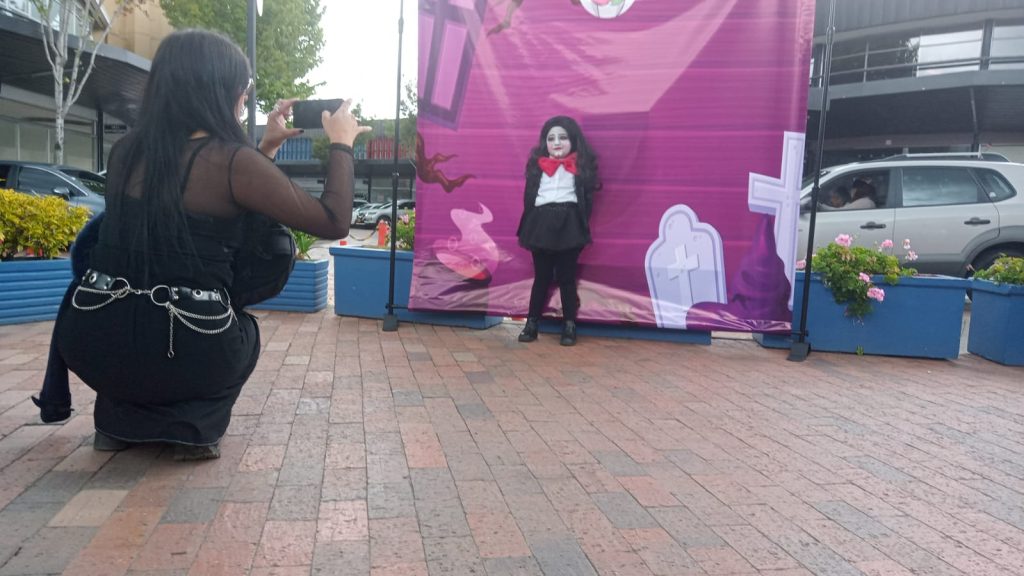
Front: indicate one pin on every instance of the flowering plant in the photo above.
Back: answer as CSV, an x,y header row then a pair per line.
x,y
847,270
405,232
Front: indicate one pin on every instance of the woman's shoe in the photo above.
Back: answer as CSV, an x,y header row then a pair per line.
x,y
51,413
568,333
185,452
529,333
105,443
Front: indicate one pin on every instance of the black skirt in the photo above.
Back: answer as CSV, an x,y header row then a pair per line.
x,y
554,227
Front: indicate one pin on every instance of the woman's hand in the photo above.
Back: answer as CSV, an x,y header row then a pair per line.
x,y
277,131
342,127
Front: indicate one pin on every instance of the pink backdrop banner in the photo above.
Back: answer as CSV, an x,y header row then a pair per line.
x,y
696,110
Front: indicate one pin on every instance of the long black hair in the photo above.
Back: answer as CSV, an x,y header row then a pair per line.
x,y
194,83
586,160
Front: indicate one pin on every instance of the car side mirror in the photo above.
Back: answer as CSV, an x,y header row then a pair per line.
x,y
63,192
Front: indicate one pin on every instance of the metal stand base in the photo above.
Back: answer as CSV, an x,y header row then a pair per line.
x,y
798,351
390,322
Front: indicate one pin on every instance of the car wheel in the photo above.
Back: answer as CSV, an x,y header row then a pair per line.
x,y
385,220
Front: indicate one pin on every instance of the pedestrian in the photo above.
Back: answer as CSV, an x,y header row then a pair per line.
x,y
561,179
156,326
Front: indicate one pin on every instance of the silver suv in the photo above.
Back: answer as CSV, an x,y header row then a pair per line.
x,y
960,212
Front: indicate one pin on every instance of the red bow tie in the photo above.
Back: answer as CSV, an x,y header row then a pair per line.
x,y
550,165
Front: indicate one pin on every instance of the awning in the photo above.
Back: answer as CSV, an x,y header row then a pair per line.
x,y
115,86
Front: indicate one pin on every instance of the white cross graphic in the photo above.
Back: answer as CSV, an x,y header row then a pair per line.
x,y
683,263
780,197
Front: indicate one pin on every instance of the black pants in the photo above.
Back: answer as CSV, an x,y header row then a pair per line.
x,y
560,266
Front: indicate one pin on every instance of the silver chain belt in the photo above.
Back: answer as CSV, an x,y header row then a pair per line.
x,y
173,311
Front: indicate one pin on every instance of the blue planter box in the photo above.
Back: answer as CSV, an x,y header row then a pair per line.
x,y
922,317
997,322
306,290
361,289
31,290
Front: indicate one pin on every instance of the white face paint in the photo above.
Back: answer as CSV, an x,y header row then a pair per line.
x,y
558,141
607,8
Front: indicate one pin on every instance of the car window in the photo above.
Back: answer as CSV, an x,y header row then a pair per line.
x,y
88,181
938,186
39,181
996,186
840,191
5,169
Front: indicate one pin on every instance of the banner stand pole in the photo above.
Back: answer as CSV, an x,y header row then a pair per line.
x,y
391,319
800,348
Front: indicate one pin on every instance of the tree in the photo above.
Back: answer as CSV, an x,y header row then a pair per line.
x,y
288,40
59,21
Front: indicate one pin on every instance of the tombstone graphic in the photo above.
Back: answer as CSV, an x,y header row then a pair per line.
x,y
448,34
780,198
685,265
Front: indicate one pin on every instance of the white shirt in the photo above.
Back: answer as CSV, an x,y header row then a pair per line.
x,y
558,188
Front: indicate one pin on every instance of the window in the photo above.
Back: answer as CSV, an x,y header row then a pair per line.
x,y
938,187
997,187
844,190
39,181
5,170
1007,42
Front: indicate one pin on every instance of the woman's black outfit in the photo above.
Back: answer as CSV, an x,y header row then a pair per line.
x,y
555,234
169,377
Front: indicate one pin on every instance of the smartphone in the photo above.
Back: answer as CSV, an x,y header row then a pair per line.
x,y
306,113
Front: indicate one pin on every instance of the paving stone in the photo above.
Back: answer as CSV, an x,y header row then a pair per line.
x,y
624,511
562,557
194,506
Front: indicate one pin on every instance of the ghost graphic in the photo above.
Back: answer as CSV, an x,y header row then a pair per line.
x,y
607,8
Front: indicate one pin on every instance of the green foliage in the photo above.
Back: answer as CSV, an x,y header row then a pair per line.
x,y
303,243
288,40
846,271
405,232
44,225
1005,270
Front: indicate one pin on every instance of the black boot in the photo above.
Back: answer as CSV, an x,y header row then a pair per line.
x,y
529,333
568,333
50,413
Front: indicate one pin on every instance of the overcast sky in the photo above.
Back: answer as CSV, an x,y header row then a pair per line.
x,y
360,54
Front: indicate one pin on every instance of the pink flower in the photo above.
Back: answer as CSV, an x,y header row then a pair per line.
x,y
911,256
864,278
844,240
887,243
876,293
405,218
801,264
906,244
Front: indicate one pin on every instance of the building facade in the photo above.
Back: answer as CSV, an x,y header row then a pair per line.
x,y
109,100
915,76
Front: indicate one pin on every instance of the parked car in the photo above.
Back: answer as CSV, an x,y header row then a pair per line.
x,y
959,211
371,216
358,214
356,205
77,186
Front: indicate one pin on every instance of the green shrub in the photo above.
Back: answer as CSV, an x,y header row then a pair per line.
x,y
1005,270
46,225
405,235
303,243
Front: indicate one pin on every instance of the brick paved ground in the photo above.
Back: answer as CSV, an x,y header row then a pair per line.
x,y
440,451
